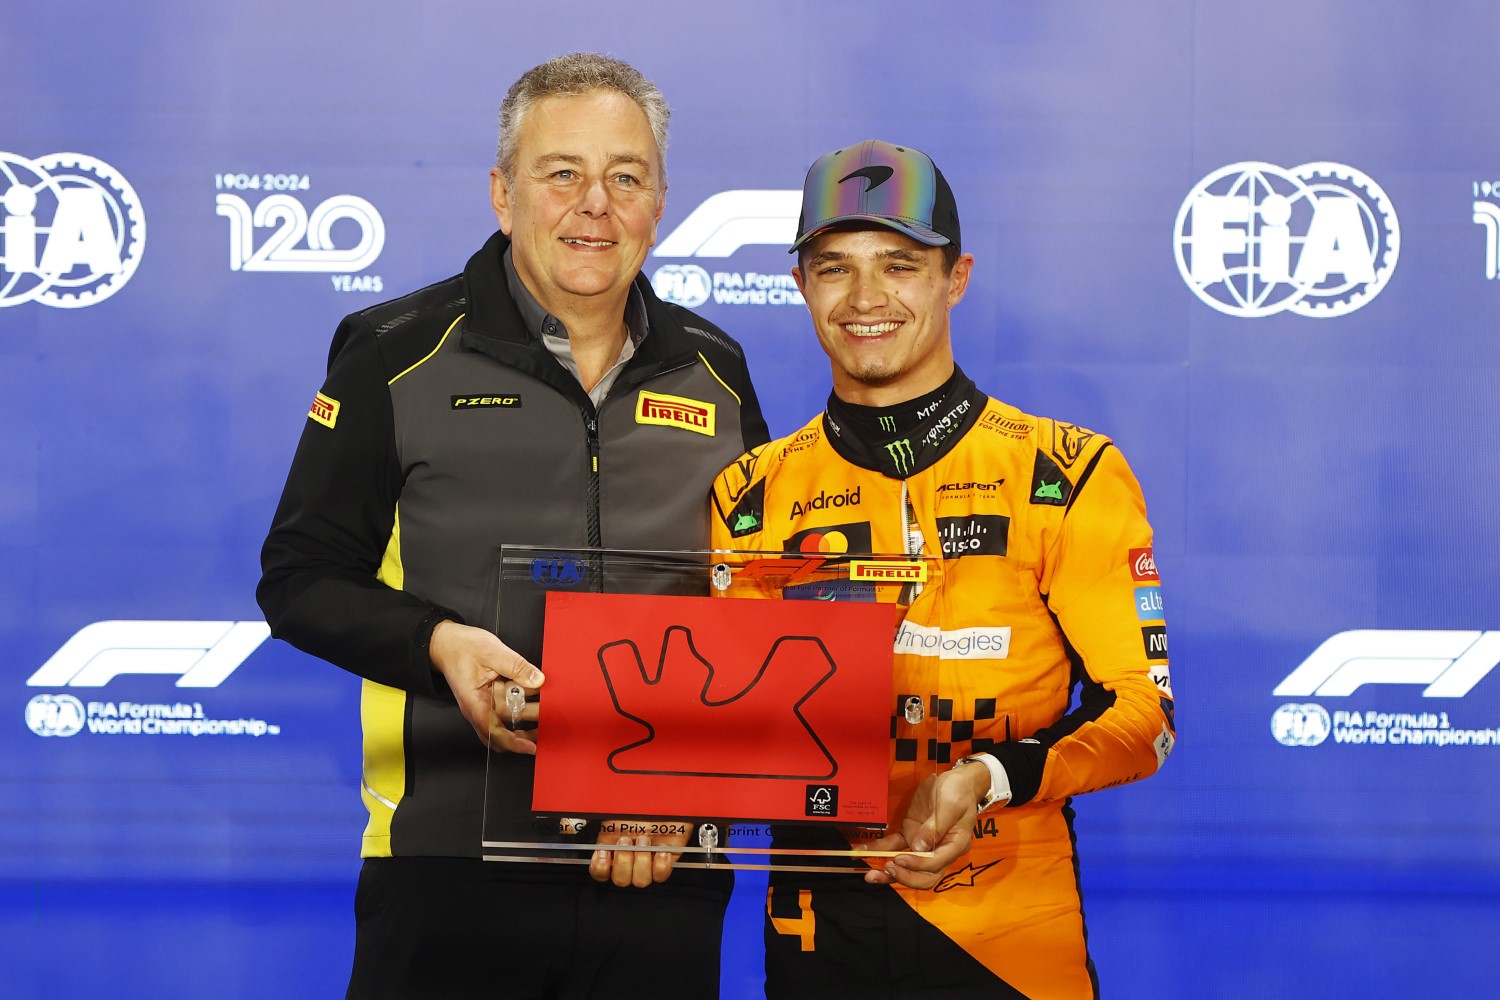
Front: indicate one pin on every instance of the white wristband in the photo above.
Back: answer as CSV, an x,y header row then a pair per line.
x,y
999,792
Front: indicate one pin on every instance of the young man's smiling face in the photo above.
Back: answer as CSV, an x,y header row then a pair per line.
x,y
879,302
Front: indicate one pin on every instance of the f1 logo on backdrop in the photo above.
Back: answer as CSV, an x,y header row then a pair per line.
x,y
1449,663
72,230
733,219
1319,239
200,654
718,228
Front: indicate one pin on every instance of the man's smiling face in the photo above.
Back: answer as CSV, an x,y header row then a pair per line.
x,y
879,302
585,199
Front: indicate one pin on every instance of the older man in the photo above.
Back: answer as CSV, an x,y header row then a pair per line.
x,y
1040,581
507,404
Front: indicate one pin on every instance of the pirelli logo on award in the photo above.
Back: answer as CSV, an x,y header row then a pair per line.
x,y
675,411
866,571
325,410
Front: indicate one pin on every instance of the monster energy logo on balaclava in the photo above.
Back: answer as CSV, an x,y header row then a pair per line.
x,y
901,455
900,441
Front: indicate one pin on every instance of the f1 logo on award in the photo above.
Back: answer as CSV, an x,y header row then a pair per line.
x,y
1319,239
72,230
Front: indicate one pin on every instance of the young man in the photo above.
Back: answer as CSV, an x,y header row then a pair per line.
x,y
507,404
1042,581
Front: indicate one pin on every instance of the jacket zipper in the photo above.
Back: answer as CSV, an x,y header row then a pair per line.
x,y
591,421
627,380
911,542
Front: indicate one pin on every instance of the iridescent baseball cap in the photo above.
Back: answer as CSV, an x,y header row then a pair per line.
x,y
874,181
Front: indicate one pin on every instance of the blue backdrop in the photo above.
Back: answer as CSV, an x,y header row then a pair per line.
x,y
1256,244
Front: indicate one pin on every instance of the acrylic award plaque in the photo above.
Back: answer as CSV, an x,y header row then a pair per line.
x,y
698,691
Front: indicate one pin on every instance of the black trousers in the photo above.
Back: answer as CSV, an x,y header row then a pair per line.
x,y
835,937
458,928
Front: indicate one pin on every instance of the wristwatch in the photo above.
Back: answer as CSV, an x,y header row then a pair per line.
x,y
999,790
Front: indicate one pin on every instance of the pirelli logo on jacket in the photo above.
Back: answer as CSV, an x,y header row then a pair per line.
x,y
325,410
675,411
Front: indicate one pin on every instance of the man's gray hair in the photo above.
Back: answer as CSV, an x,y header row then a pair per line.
x,y
571,75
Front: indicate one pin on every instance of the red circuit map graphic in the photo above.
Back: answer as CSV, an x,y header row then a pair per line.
x,y
676,693
714,707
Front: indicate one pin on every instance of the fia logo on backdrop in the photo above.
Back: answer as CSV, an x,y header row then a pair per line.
x,y
72,230
1318,240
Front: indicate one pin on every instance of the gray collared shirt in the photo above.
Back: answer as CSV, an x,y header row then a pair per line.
x,y
554,336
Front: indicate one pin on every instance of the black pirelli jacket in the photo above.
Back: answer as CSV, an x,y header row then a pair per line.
x,y
443,430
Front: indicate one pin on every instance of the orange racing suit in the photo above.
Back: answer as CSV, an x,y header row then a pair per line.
x,y
1046,582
